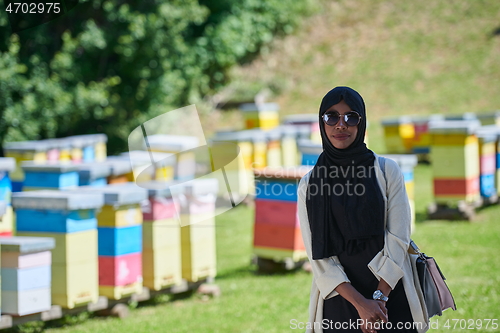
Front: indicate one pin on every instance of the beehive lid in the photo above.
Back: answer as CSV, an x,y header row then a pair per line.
x,y
94,170
57,200
466,127
283,172
172,143
488,133
301,119
26,245
93,138
249,107
273,135
421,120
49,166
487,115
58,143
465,116
23,146
396,120
403,160
258,135
119,194
7,164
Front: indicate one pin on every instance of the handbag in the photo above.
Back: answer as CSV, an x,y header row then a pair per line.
x,y
436,293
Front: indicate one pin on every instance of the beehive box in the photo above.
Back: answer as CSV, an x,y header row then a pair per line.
x,y
237,162
488,136
74,261
309,152
399,134
264,116
54,211
24,151
26,274
289,148
198,247
455,161
161,254
277,234
53,175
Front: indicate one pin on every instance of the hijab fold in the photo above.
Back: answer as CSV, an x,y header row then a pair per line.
x,y
344,202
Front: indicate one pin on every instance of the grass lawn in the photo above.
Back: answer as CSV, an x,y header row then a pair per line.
x,y
466,252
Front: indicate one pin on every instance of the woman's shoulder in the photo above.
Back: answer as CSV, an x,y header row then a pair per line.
x,y
388,165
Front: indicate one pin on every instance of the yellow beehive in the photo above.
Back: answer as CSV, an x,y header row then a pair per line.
x,y
161,267
75,283
398,134
239,169
74,267
161,233
119,292
25,151
264,116
259,150
455,161
273,153
198,248
119,216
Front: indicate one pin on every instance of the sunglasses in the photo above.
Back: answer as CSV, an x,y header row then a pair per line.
x,y
351,118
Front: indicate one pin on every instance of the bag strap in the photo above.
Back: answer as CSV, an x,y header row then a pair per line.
x,y
413,248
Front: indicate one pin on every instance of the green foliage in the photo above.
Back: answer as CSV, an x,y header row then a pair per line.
x,y
107,66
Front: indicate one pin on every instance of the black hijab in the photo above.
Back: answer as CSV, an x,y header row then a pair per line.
x,y
343,220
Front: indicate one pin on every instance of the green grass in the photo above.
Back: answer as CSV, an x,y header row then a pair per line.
x,y
467,253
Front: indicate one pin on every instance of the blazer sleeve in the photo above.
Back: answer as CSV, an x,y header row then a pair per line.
x,y
388,263
328,273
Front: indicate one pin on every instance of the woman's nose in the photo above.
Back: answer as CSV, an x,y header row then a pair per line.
x,y
341,123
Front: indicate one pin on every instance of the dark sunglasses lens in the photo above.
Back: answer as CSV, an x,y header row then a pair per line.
x,y
352,119
331,119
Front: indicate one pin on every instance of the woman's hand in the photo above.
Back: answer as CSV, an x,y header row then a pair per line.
x,y
370,312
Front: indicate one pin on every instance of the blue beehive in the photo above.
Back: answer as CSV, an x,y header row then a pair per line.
x,y
68,217
50,175
310,151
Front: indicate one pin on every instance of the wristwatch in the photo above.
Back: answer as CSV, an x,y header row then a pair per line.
x,y
378,295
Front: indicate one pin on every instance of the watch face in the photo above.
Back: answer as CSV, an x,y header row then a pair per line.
x,y
377,294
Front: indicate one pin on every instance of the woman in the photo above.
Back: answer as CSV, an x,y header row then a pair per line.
x,y
355,222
